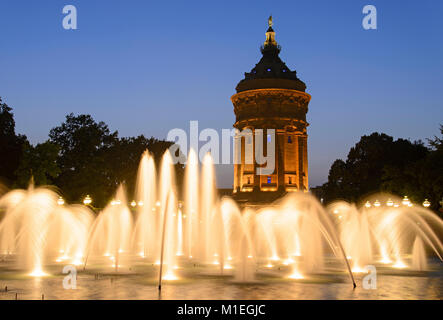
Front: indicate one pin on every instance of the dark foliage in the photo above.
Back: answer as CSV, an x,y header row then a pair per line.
x,y
11,145
94,161
380,163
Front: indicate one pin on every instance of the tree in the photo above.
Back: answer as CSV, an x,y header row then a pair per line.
x,y
420,178
83,146
40,163
436,144
335,188
11,145
93,160
374,164
124,156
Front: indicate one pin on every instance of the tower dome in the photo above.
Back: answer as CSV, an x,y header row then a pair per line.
x,y
270,71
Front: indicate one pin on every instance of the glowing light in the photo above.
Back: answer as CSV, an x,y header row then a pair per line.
x,y
385,260
38,273
426,203
87,200
389,203
405,201
216,262
141,254
357,269
296,275
269,265
288,261
396,205
107,254
157,262
275,258
133,203
158,203
169,276
335,211
60,201
410,204
400,265
377,203
249,257
227,266
77,262
230,258
140,203
367,204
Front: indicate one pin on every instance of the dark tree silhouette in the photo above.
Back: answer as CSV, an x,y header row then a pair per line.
x,y
11,145
38,162
93,160
380,163
83,146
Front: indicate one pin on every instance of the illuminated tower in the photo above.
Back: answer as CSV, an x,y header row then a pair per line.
x,y
272,97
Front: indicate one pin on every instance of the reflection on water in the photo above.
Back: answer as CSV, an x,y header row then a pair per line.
x,y
142,285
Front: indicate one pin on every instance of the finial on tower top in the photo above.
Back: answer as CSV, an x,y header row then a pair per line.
x,y
270,35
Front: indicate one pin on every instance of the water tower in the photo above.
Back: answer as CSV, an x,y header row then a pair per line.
x,y
271,96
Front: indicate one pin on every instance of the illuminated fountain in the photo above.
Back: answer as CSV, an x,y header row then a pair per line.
x,y
110,235
388,233
147,222
199,233
38,230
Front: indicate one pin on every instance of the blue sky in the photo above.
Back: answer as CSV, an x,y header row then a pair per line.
x,y
146,67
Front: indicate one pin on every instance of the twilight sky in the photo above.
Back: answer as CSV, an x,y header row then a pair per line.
x,y
145,67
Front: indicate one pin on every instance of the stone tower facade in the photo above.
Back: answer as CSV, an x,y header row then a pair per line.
x,y
271,97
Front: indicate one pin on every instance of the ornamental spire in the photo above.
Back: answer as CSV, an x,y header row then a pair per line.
x,y
270,34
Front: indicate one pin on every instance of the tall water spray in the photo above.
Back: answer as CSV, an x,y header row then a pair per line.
x,y
168,210
111,234
147,225
191,204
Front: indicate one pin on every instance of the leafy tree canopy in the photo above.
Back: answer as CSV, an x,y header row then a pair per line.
x,y
93,160
38,163
11,145
380,163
